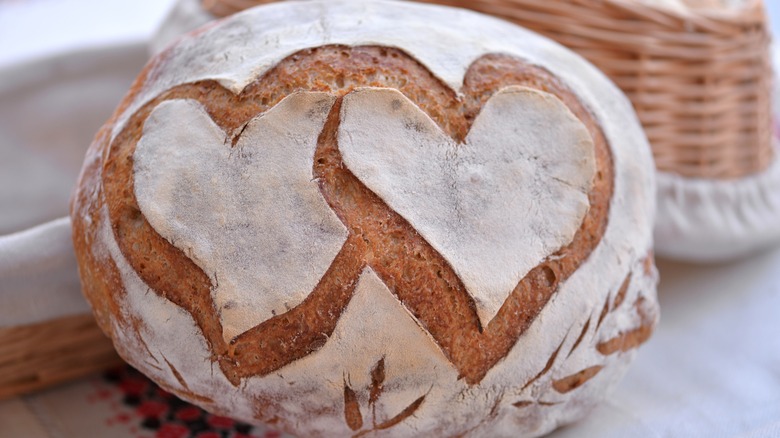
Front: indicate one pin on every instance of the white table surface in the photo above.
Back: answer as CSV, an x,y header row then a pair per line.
x,y
712,369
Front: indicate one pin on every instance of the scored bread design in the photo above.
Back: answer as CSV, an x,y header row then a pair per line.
x,y
342,230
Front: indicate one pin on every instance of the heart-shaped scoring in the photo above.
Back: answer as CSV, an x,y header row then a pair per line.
x,y
378,237
233,210
512,194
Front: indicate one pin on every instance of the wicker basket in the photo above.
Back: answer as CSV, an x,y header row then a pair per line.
x,y
40,355
700,81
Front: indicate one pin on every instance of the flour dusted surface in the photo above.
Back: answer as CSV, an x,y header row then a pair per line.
x,y
527,160
251,215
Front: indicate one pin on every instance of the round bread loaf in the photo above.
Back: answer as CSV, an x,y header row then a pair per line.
x,y
349,218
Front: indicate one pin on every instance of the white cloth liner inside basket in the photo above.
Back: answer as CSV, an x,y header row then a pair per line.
x,y
710,220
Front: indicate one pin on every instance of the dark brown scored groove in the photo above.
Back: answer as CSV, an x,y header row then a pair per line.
x,y
378,236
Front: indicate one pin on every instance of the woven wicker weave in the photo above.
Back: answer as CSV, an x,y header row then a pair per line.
x,y
41,355
700,81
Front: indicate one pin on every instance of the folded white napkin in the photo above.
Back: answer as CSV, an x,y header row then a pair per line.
x,y
38,276
49,111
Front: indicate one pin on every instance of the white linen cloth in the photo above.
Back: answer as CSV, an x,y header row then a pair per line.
x,y
60,79
38,281
710,220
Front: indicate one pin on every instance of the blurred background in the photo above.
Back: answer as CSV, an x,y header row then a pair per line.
x,y
34,28
31,28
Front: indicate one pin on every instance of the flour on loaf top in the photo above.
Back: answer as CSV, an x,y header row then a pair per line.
x,y
495,206
250,216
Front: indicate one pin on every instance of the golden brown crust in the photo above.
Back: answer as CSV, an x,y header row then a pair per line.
x,y
570,383
378,237
631,339
100,280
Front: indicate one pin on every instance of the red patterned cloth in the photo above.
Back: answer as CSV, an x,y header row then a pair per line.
x,y
148,411
120,403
